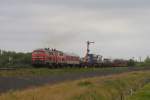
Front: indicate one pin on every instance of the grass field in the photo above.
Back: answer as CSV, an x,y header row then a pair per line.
x,y
47,71
115,87
141,94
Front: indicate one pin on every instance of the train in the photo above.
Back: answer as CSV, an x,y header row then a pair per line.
x,y
55,58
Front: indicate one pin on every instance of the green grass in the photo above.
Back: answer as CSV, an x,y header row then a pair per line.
x,y
112,87
115,88
46,71
93,95
141,94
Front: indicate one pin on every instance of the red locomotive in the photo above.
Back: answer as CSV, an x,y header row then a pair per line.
x,y
53,57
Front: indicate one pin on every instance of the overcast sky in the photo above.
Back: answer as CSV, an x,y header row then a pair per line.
x,y
119,28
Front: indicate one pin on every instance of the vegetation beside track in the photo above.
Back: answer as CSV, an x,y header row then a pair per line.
x,y
14,59
115,87
46,71
19,72
141,94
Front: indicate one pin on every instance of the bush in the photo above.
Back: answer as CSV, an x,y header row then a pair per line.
x,y
14,59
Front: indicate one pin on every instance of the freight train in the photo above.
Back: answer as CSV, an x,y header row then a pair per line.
x,y
56,58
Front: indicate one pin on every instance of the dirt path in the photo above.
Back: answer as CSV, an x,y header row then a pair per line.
x,y
15,83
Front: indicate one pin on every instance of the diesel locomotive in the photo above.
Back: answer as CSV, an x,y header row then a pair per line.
x,y
54,58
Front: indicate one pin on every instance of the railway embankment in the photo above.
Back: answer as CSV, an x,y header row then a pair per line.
x,y
19,79
110,87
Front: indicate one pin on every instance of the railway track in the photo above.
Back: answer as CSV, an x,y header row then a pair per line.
x,y
15,83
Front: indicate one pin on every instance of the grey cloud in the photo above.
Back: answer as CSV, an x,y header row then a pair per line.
x,y
83,3
119,28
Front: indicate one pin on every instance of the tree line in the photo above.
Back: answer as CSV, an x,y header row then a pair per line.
x,y
14,59
146,62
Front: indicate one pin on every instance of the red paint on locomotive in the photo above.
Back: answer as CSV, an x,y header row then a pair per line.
x,y
53,57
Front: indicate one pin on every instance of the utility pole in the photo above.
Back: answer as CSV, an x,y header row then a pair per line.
x,y
88,50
